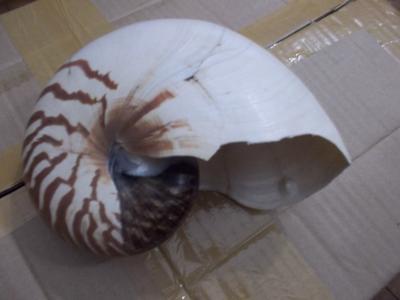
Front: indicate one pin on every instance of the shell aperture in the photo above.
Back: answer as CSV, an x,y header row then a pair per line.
x,y
154,197
129,127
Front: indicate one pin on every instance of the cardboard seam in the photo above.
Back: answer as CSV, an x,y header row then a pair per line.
x,y
379,141
265,229
11,189
391,293
181,283
31,269
310,22
149,3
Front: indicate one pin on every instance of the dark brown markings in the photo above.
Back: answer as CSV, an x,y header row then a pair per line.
x,y
123,126
146,137
90,73
90,231
59,120
110,240
58,92
148,107
92,225
85,210
155,131
43,156
107,237
103,101
43,139
35,186
60,221
118,216
76,226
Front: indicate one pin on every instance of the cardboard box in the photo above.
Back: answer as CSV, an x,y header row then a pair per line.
x,y
341,243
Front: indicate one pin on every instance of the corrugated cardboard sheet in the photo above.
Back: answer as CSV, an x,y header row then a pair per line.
x,y
343,242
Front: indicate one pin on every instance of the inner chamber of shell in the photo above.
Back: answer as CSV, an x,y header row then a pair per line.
x,y
134,124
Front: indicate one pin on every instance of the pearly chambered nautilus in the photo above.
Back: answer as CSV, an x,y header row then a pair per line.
x,y
129,129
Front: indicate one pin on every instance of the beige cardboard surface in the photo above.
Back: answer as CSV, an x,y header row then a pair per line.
x,y
268,267
381,18
216,229
18,91
265,31
47,32
357,84
239,14
17,281
56,269
15,210
17,99
8,54
350,231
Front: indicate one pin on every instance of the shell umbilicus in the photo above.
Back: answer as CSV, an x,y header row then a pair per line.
x,y
130,128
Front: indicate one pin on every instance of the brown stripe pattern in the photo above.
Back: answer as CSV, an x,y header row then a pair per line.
x,y
90,73
51,170
68,179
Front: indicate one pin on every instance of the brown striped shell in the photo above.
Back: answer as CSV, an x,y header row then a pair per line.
x,y
147,209
109,149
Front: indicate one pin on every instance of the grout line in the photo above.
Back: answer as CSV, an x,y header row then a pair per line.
x,y
11,189
181,281
382,139
391,293
264,229
309,23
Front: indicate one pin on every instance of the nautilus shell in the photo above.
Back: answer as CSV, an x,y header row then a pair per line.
x,y
135,123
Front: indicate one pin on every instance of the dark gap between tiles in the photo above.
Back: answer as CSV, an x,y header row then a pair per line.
x,y
8,5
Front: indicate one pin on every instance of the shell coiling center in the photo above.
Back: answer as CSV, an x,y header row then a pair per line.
x,y
151,195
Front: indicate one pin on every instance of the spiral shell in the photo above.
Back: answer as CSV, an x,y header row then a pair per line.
x,y
109,150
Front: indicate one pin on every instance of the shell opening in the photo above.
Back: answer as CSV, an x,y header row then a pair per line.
x,y
155,196
271,175
136,165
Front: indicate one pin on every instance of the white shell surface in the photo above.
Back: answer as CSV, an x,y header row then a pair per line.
x,y
224,89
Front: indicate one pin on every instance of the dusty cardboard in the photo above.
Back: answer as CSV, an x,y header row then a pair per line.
x,y
357,84
263,267
216,228
267,267
56,269
349,232
217,256
240,13
15,210
288,19
56,30
381,18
